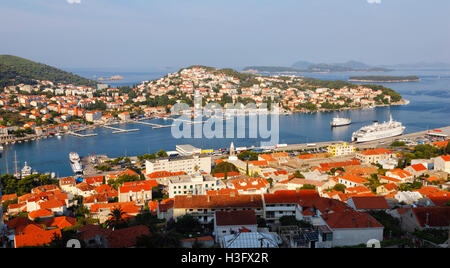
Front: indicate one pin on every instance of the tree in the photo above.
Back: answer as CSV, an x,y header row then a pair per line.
x,y
224,167
116,220
162,153
159,240
299,175
185,224
308,187
447,150
339,187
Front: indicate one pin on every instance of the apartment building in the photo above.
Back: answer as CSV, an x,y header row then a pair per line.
x,y
189,164
196,184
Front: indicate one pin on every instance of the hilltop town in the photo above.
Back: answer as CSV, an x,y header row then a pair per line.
x,y
45,108
337,196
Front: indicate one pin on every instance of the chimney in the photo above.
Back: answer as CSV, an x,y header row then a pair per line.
x,y
232,194
297,190
209,198
252,198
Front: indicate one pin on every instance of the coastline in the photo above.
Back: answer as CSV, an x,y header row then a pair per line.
x,y
386,81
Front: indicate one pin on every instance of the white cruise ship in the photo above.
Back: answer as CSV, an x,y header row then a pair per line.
x,y
339,121
378,131
75,163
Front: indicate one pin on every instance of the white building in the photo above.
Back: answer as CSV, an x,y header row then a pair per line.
x,y
232,222
196,184
442,163
190,165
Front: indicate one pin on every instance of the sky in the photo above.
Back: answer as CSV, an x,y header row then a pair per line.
x,y
157,34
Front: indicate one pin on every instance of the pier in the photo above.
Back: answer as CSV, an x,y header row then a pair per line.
x,y
119,130
82,135
153,125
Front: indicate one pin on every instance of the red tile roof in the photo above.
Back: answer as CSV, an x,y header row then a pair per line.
x,y
370,202
419,167
377,151
126,238
350,219
36,237
240,217
291,197
432,216
218,201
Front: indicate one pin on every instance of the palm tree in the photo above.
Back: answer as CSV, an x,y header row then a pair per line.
x,y
115,219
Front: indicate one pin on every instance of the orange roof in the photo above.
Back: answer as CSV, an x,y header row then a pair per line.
x,y
354,179
9,197
40,213
390,186
329,166
226,191
442,144
249,184
164,174
52,204
376,151
37,237
446,158
61,222
229,174
419,167
138,186
127,207
258,163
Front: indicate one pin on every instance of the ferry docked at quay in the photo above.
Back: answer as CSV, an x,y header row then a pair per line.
x,y
75,163
378,131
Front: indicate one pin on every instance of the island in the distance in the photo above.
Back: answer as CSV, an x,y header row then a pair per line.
x,y
385,79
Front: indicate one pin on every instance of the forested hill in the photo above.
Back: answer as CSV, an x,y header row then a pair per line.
x,y
15,70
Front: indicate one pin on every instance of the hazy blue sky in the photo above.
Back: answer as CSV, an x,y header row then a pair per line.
x,y
143,34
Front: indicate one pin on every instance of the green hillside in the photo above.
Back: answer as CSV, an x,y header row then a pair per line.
x,y
15,70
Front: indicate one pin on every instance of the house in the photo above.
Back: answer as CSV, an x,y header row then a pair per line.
x,y
102,211
351,228
386,189
368,203
232,222
203,207
352,181
375,155
400,174
416,170
425,217
249,185
442,163
34,235
139,192
286,203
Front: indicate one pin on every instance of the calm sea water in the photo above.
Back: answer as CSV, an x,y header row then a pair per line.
x,y
429,108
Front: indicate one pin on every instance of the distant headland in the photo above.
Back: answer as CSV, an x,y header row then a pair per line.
x,y
384,79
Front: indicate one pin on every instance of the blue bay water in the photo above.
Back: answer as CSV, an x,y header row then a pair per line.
x,y
429,108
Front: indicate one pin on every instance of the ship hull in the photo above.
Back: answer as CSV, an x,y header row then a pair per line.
x,y
379,135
